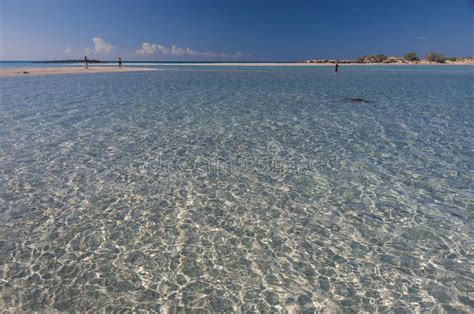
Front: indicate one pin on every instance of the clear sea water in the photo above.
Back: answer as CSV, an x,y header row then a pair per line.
x,y
238,189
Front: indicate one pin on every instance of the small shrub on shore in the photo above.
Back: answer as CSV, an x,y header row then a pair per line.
x,y
411,56
379,58
435,57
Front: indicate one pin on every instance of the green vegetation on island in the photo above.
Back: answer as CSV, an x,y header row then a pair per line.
x,y
408,58
379,58
411,56
435,57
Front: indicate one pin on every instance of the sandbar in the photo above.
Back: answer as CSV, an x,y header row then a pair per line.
x,y
68,70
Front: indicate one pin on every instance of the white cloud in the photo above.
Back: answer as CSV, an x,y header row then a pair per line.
x,y
150,49
68,50
422,37
102,46
240,55
176,51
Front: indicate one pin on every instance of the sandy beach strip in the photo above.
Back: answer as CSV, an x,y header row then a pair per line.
x,y
68,70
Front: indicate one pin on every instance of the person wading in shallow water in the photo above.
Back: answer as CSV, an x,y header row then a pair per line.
x,y
336,68
87,62
120,62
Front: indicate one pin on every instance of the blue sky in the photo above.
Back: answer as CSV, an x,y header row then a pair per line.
x,y
232,29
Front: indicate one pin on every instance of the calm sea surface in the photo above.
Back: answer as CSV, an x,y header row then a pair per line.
x,y
238,189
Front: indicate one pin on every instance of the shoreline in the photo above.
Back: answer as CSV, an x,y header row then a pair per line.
x,y
21,71
300,64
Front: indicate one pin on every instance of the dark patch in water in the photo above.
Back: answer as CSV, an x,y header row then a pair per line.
x,y
357,100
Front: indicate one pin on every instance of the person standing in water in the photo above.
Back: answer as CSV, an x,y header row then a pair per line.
x,y
336,67
86,61
120,62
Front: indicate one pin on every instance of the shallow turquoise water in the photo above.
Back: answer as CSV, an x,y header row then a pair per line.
x,y
238,189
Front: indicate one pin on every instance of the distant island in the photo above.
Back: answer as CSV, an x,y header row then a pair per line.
x,y
71,61
409,58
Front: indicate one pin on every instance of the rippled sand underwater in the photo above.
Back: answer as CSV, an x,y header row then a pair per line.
x,y
233,189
